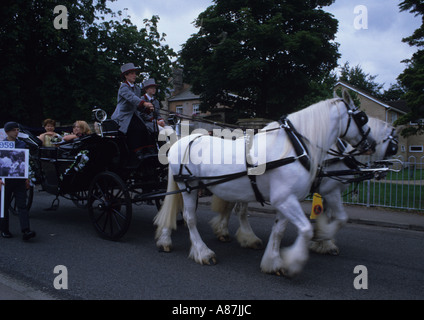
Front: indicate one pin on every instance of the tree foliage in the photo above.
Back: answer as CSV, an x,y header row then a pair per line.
x,y
358,78
64,73
412,78
260,56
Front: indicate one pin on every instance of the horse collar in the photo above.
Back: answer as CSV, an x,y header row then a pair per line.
x,y
297,142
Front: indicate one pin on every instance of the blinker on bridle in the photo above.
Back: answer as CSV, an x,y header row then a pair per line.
x,y
392,147
360,118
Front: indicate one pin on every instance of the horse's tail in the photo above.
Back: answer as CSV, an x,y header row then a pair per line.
x,y
172,205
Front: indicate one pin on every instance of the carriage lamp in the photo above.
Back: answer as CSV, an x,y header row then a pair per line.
x,y
99,114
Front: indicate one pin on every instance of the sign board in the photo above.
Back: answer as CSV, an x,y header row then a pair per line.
x,y
14,164
317,207
7,145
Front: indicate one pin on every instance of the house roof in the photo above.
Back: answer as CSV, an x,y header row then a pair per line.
x,y
185,95
398,106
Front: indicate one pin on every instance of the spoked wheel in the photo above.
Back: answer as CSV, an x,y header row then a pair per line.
x,y
79,198
109,205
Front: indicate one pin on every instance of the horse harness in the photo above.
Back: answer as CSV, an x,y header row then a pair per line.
x,y
348,159
351,162
297,141
299,146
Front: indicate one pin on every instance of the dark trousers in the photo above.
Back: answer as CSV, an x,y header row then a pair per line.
x,y
18,188
138,136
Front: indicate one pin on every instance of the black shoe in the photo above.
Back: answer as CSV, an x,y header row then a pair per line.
x,y
6,234
28,235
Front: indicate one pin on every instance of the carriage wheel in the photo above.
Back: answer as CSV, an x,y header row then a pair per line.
x,y
30,196
109,205
80,198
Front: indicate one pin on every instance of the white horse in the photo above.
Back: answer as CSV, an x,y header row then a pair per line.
x,y
330,188
190,161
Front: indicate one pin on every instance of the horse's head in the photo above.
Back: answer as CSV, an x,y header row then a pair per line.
x,y
357,132
387,138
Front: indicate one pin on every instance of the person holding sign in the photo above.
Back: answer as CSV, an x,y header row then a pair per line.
x,y
16,187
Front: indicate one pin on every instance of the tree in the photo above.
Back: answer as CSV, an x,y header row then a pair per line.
x,y
121,42
412,78
260,56
394,93
64,73
39,63
358,78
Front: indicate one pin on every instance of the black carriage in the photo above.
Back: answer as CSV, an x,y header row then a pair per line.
x,y
97,172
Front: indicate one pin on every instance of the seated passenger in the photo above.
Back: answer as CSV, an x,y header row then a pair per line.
x,y
46,137
128,114
80,129
153,120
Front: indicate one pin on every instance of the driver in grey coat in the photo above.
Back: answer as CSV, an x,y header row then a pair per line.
x,y
128,114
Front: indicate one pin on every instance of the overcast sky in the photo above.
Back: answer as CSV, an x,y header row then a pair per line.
x,y
377,49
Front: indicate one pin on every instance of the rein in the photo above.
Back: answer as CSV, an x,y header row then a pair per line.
x,y
363,171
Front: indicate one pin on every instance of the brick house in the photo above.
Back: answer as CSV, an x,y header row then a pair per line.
x,y
184,102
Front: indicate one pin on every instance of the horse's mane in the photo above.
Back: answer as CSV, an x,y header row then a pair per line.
x,y
313,123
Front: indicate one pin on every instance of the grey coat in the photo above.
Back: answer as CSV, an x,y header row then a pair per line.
x,y
129,102
150,117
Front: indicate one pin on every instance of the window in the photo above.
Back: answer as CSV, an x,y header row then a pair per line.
x,y
179,109
417,122
402,148
196,109
416,148
394,117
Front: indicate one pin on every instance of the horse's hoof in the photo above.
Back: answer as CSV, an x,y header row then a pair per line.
x,y
257,245
225,238
286,274
166,249
280,273
211,262
334,252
